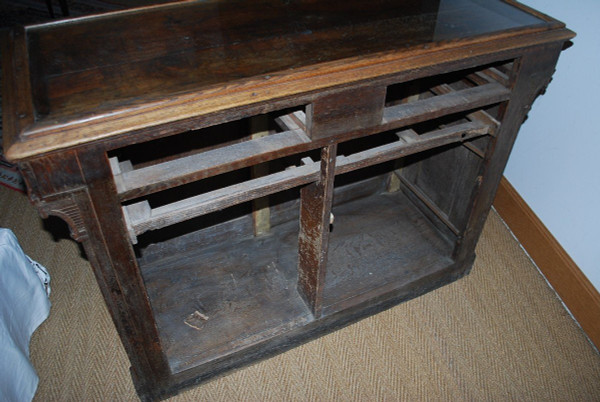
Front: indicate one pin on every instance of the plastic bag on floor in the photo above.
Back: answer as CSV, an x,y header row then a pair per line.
x,y
24,305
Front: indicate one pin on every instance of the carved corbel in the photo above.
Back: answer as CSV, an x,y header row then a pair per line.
x,y
536,93
66,207
50,199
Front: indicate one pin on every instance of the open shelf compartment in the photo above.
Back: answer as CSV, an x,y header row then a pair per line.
x,y
203,153
380,243
220,288
227,295
429,98
406,227
218,192
141,216
231,250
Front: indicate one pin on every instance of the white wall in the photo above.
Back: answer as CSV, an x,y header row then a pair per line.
x,y
555,164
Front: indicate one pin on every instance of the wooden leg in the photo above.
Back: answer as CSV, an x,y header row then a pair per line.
x,y
536,68
315,215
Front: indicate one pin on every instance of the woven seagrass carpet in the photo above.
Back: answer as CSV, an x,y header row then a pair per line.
x,y
498,334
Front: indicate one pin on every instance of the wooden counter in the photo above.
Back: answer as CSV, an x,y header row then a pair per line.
x,y
246,176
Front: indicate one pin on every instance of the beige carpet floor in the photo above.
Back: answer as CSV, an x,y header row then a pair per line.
x,y
498,334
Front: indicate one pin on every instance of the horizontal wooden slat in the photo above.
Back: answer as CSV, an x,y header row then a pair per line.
x,y
222,198
180,171
497,75
451,102
292,121
176,172
480,115
235,194
401,147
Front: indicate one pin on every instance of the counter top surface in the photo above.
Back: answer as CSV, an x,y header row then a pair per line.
x,y
178,60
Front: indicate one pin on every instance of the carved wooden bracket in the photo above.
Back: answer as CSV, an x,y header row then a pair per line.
x,y
66,207
538,88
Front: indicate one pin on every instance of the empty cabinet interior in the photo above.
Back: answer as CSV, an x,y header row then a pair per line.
x,y
247,177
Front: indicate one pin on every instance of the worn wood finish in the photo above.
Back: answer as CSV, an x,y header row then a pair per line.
x,y
243,293
49,134
158,177
170,173
297,336
535,70
379,244
141,218
384,132
313,240
234,284
341,112
18,114
402,147
448,103
320,32
76,187
480,115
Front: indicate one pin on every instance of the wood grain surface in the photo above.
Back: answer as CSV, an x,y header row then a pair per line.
x,y
139,129
115,73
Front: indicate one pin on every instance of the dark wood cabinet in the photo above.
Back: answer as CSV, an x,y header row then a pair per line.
x,y
246,176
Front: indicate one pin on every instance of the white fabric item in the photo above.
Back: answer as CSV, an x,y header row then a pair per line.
x,y
24,305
